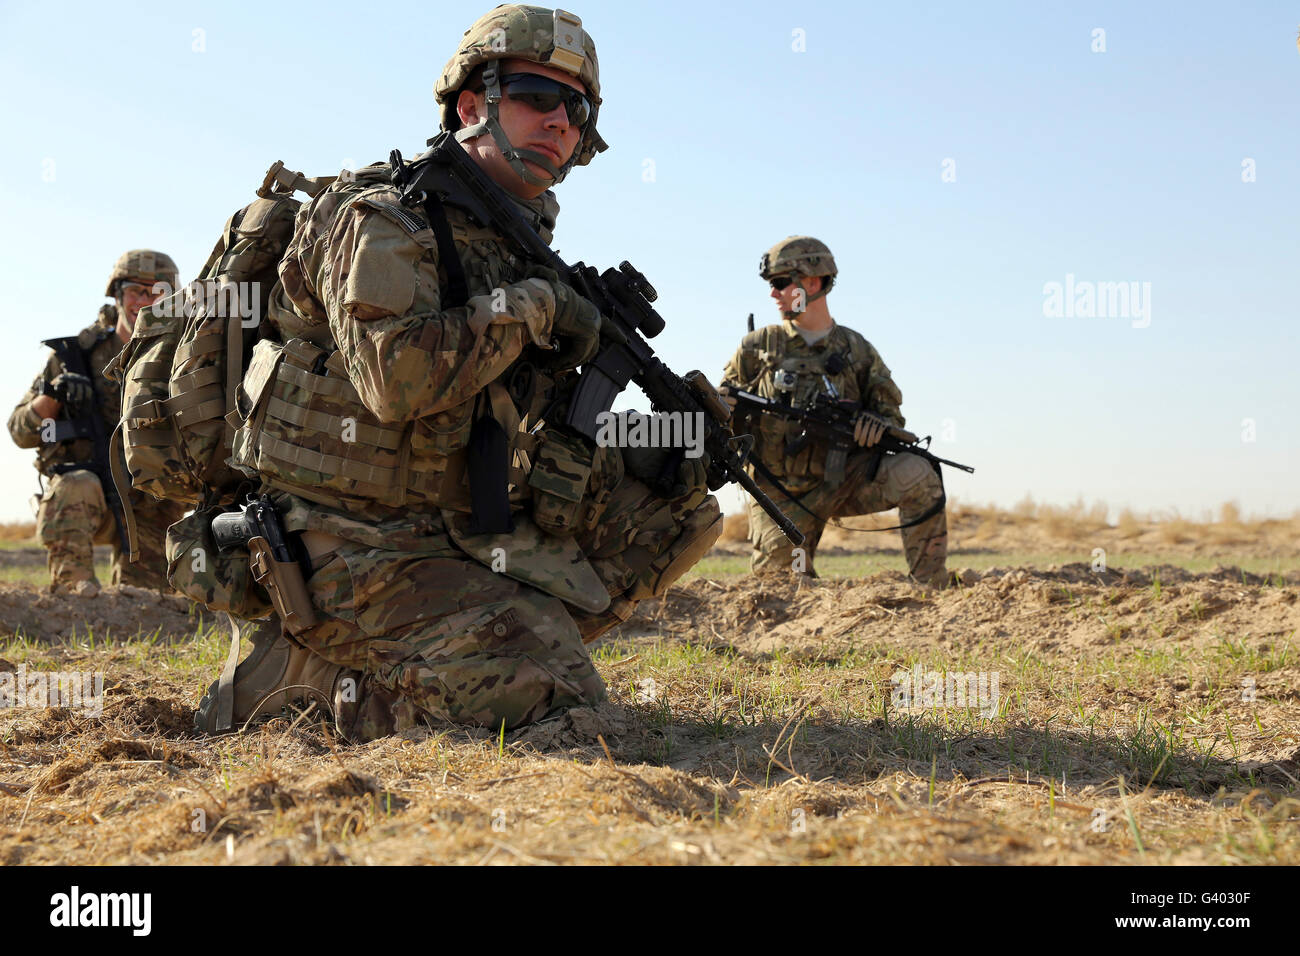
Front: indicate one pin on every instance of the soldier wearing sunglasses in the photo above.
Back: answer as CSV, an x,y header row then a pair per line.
x,y
74,514
810,353
451,339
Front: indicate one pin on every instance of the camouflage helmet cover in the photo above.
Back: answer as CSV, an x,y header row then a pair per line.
x,y
797,255
553,38
144,266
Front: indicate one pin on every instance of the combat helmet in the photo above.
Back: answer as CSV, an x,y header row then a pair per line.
x,y
553,38
145,266
800,256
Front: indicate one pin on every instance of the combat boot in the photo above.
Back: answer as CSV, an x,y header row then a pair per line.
x,y
276,674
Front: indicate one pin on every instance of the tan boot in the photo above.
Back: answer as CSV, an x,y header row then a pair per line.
x,y
276,674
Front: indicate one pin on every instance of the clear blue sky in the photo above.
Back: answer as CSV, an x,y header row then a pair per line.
x,y
1123,165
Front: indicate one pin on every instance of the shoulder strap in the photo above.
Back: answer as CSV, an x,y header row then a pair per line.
x,y
457,286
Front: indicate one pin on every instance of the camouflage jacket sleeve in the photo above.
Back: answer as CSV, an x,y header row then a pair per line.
x,y
879,393
24,423
406,355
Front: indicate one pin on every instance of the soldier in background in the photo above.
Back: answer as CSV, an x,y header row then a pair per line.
x,y
74,512
807,353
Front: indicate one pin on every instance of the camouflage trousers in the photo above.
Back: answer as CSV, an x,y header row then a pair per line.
x,y
906,482
74,516
461,642
450,636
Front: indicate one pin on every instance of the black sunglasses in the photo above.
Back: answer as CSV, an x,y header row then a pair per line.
x,y
780,282
544,94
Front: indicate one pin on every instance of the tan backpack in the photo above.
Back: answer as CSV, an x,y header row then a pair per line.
x,y
188,352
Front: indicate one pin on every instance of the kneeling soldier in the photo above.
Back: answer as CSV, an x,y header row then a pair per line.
x,y
459,545
809,354
68,414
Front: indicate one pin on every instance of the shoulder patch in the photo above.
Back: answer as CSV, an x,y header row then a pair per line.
x,y
398,214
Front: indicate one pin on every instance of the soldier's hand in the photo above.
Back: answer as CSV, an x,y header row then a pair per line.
x,y
73,390
667,470
724,392
575,326
868,430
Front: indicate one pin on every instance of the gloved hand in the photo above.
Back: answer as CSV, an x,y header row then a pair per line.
x,y
575,324
71,389
668,471
868,429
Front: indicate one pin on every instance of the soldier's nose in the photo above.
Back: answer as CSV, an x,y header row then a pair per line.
x,y
558,118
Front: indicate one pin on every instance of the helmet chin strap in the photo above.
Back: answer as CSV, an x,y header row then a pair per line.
x,y
819,294
807,298
513,155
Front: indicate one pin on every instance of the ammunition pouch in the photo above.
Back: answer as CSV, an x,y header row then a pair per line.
x,y
301,427
571,481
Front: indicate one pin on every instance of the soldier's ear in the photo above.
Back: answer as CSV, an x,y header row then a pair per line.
x,y
812,284
470,108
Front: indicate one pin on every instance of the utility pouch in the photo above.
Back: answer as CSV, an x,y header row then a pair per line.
x,y
558,480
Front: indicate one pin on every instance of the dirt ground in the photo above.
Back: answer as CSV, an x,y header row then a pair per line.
x,y
1141,715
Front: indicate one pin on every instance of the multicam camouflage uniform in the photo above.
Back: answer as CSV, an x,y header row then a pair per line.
x,y
73,514
824,482
480,629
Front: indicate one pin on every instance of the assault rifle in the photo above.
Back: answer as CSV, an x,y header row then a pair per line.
x,y
833,421
85,422
446,174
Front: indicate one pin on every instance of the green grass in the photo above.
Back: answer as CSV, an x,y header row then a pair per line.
x,y
1048,721
38,575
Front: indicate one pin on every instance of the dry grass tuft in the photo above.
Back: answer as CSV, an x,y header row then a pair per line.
x,y
19,531
1175,529
735,527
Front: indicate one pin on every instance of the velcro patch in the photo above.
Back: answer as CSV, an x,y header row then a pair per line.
x,y
401,216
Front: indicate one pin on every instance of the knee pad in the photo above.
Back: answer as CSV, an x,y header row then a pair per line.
x,y
700,530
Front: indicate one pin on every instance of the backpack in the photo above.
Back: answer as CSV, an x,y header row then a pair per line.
x,y
188,353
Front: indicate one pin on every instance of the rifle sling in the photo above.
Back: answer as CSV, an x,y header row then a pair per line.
x,y
488,459
457,287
